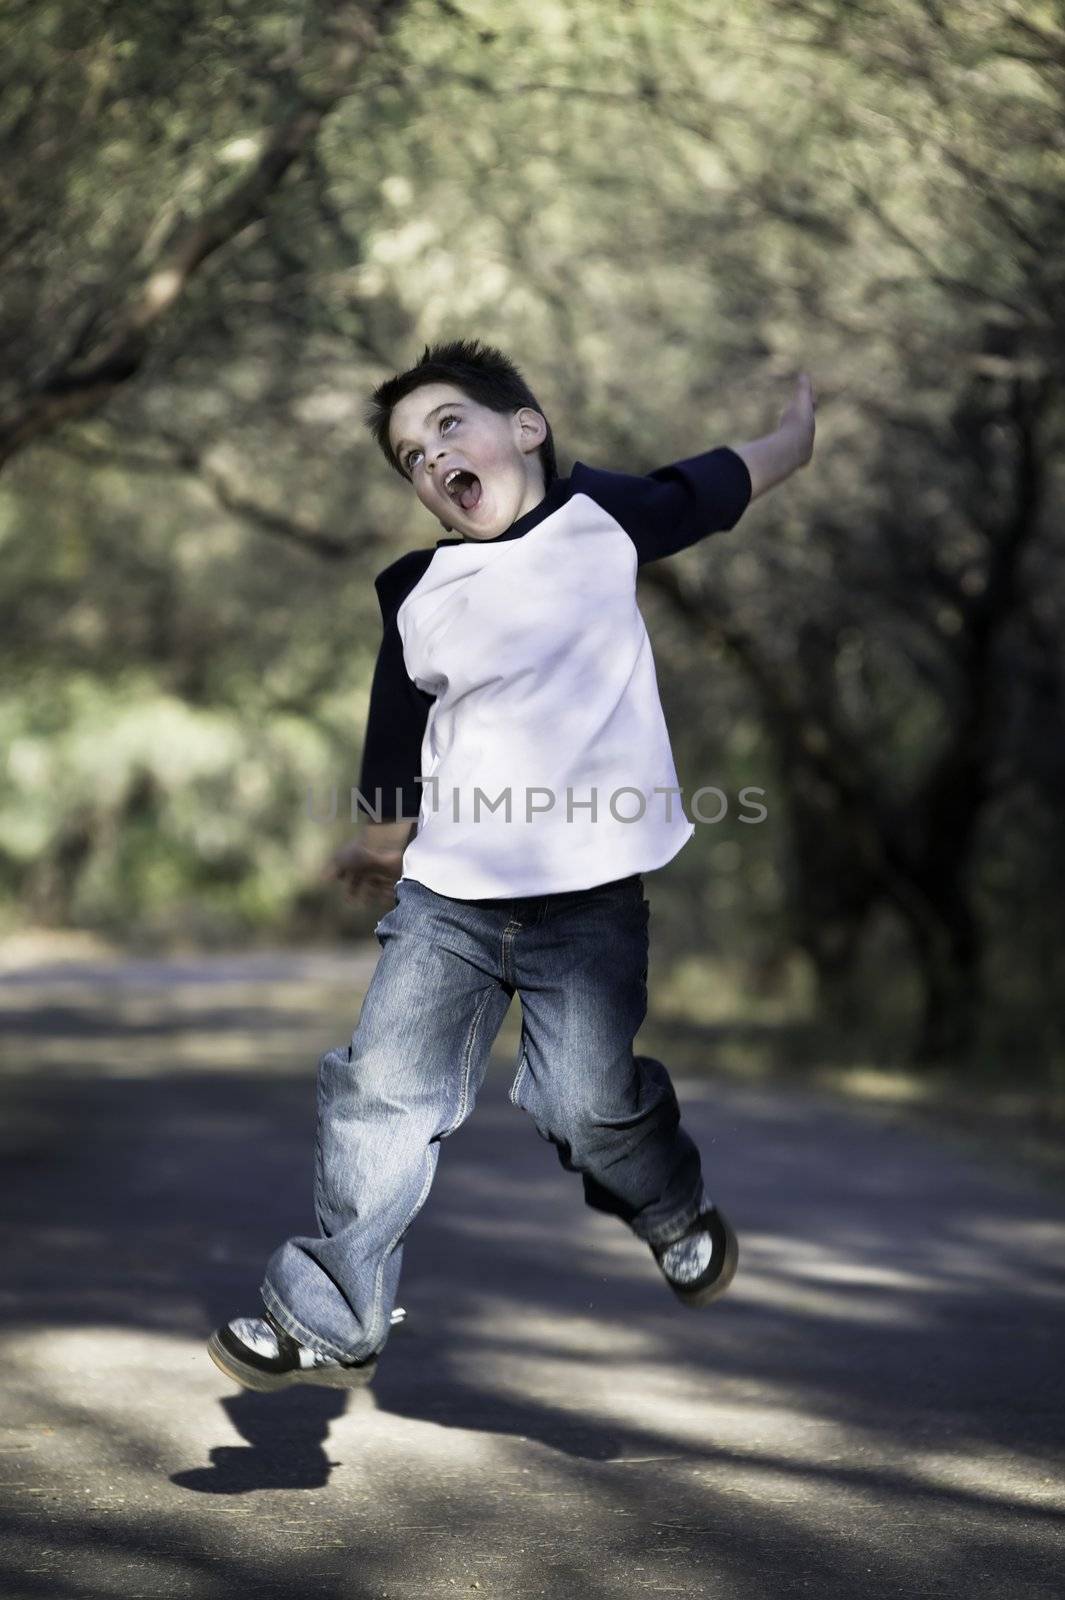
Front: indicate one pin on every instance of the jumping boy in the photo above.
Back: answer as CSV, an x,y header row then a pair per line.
x,y
514,718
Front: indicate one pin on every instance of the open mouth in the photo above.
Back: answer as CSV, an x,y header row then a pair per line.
x,y
463,487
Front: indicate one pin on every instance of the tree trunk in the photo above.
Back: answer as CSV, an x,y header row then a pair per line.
x,y
949,952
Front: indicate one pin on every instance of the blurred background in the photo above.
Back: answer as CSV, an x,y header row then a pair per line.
x,y
222,225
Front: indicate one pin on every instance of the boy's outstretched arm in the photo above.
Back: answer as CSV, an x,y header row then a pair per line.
x,y
771,459
679,505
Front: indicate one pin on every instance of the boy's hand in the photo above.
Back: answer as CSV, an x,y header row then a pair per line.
x,y
791,444
797,419
369,876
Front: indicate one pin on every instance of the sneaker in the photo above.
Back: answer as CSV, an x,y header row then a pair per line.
x,y
259,1354
702,1263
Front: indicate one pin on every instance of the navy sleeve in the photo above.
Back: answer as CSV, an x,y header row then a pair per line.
x,y
673,507
399,710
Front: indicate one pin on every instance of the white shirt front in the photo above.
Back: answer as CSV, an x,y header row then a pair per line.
x,y
544,757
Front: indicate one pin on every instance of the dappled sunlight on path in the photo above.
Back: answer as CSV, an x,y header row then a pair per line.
x,y
876,1399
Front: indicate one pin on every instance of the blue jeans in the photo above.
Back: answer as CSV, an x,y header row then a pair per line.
x,y
409,1078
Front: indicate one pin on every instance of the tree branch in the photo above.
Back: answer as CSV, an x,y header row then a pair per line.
x,y
186,458
85,377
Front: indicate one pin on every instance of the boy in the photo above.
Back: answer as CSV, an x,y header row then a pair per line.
x,y
514,715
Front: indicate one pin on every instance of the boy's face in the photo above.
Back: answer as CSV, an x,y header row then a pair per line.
x,y
437,428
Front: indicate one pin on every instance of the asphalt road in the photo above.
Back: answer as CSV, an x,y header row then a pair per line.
x,y
876,1407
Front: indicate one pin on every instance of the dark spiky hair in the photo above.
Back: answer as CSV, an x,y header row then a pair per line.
x,y
480,371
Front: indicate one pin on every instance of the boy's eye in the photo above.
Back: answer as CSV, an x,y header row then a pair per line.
x,y
449,416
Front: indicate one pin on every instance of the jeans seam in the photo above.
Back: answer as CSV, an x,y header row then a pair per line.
x,y
505,965
523,1067
426,1186
467,1063
319,1176
393,1242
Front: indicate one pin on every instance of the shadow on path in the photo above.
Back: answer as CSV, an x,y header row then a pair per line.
x,y
889,1354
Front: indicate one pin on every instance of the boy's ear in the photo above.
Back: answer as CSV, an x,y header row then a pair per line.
x,y
532,425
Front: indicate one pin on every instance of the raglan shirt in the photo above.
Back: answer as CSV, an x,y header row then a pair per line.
x,y
514,707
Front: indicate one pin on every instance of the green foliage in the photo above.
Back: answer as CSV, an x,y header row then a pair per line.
x,y
662,211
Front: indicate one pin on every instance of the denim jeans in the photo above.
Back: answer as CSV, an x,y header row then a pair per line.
x,y
417,1058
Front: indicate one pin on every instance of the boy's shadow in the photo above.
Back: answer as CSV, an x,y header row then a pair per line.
x,y
287,1432
286,1437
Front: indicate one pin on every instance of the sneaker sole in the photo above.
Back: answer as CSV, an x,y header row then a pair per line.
x,y
694,1298
250,1377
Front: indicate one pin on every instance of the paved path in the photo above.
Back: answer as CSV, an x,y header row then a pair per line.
x,y
874,1409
